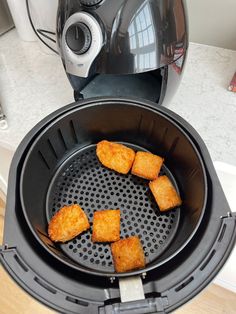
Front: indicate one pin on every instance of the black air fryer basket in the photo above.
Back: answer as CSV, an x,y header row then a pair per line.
x,y
56,165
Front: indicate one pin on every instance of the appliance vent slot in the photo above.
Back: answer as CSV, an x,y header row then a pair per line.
x,y
208,260
139,128
222,233
76,301
72,127
184,284
52,149
193,173
22,265
44,160
151,129
44,285
62,139
164,135
173,146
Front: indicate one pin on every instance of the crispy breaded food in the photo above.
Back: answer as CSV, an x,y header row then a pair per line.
x,y
67,223
115,156
147,165
128,254
106,226
165,193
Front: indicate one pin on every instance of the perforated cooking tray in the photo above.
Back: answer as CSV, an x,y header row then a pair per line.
x,y
61,168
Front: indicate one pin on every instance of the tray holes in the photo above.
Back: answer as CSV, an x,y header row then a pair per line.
x,y
76,301
44,285
208,260
184,284
22,265
138,210
222,233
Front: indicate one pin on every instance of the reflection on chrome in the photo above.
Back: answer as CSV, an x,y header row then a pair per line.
x,y
143,38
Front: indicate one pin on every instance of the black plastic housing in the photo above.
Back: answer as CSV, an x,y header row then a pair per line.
x,y
70,291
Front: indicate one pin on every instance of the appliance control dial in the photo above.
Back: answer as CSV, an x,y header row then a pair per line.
x,y
90,3
78,38
82,40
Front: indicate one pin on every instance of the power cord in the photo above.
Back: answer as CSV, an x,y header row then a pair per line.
x,y
40,31
43,33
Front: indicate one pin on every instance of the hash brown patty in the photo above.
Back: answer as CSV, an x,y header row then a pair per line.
x,y
127,254
67,223
115,156
106,226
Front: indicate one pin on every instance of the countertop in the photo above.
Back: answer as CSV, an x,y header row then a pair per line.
x,y
34,84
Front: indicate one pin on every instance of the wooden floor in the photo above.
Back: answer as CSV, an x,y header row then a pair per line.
x,y
13,300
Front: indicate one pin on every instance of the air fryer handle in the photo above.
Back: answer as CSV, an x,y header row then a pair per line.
x,y
151,305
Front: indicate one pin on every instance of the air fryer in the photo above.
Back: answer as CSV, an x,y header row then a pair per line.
x,y
56,164
123,48
118,49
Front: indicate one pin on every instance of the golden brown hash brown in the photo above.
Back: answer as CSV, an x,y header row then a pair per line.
x,y
67,223
115,156
127,254
147,165
106,226
165,193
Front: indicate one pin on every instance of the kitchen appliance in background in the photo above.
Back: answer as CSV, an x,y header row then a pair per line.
x,y
123,48
21,21
36,20
6,22
42,16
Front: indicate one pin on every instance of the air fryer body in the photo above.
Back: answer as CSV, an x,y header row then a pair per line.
x,y
123,48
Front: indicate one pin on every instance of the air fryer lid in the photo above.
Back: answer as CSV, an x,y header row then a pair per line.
x,y
61,168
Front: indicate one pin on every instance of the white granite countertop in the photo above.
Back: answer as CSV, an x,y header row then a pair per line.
x,y
33,84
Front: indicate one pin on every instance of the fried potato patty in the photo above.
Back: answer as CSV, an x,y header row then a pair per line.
x,y
147,165
165,193
115,156
67,223
106,226
128,254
